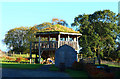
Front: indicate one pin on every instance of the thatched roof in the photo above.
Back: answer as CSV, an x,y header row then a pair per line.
x,y
58,28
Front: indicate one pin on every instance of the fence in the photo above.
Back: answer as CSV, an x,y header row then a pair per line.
x,y
111,63
92,60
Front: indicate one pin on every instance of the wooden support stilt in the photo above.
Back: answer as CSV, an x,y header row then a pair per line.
x,y
77,43
49,40
30,52
58,40
30,61
39,50
68,38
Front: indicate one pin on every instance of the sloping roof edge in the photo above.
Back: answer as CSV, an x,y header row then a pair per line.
x,y
57,32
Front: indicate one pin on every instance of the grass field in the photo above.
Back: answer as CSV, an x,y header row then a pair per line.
x,y
6,63
75,73
53,68
20,66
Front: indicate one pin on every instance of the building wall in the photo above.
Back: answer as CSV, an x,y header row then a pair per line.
x,y
65,54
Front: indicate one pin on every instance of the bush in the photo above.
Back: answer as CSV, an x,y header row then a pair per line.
x,y
18,59
62,67
77,66
21,59
9,58
26,59
97,73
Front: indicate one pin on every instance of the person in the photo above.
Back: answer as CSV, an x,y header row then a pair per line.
x,y
49,60
41,60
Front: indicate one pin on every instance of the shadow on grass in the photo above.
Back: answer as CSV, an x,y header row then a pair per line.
x,y
72,73
117,73
21,66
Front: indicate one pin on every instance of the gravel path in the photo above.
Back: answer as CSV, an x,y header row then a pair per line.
x,y
41,72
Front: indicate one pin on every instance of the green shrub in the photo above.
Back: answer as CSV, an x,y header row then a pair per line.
x,y
97,73
77,66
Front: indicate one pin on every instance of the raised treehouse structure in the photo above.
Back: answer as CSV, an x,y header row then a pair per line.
x,y
56,36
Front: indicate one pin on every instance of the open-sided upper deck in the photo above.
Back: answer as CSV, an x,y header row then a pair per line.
x,y
59,39
53,45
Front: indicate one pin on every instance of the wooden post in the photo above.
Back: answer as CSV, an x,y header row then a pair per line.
x,y
39,50
49,40
7,53
65,38
20,53
27,55
68,38
30,52
94,61
77,58
81,56
13,53
77,42
74,39
58,40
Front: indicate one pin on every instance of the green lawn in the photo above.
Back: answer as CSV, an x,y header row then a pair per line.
x,y
19,66
53,68
76,73
72,73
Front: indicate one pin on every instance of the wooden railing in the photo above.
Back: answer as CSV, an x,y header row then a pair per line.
x,y
45,45
70,43
49,44
53,44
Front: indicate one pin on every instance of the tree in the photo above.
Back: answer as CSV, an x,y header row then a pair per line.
x,y
15,39
99,31
59,21
18,39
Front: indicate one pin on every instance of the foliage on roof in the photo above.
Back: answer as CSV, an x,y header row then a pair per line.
x,y
57,27
48,27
